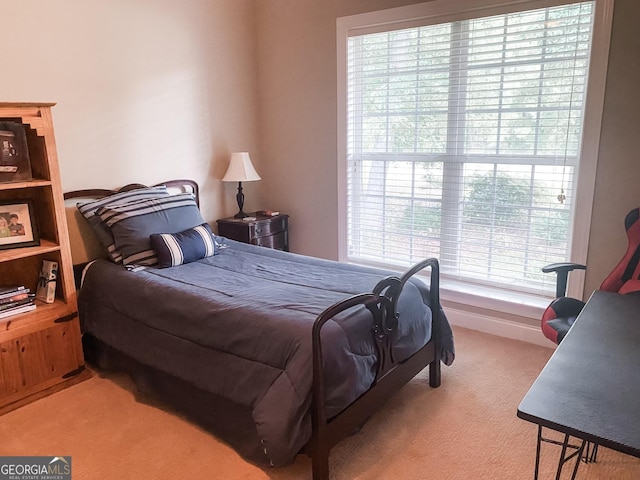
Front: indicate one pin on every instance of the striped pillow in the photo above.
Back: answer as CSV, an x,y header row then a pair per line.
x,y
187,246
103,233
133,223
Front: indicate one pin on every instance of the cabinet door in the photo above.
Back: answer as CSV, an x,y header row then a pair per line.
x,y
272,226
277,241
38,360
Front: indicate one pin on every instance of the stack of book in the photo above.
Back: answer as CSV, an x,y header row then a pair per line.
x,y
267,213
14,300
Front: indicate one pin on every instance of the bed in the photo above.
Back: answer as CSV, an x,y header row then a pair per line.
x,y
276,353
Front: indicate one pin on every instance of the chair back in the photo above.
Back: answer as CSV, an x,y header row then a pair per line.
x,y
625,277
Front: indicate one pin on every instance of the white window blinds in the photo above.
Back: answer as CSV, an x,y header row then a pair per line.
x,y
463,140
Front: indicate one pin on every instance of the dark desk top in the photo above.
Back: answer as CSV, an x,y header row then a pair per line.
x,y
590,388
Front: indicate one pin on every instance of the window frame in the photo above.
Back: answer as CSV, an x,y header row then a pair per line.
x,y
439,11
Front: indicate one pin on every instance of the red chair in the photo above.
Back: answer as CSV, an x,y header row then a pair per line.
x,y
625,278
562,312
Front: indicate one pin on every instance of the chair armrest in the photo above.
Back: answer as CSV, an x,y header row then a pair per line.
x,y
562,270
568,266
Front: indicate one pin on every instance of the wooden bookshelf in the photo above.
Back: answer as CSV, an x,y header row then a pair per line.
x,y
40,350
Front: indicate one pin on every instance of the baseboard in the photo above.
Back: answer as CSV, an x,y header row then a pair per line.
x,y
499,327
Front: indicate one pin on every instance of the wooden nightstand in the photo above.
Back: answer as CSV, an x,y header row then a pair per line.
x,y
271,232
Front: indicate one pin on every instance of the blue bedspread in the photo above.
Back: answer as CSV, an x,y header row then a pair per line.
x,y
238,325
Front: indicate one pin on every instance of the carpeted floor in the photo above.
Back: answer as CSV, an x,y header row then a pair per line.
x,y
466,429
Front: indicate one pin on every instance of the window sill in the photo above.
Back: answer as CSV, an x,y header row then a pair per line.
x,y
494,299
505,303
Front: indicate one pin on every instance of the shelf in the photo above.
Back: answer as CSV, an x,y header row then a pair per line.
x,y
45,246
23,323
40,350
29,184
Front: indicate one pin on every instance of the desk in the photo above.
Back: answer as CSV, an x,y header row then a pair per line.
x,y
590,387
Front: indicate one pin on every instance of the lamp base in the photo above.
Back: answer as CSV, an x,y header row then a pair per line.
x,y
240,200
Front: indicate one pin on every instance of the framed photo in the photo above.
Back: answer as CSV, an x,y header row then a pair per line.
x,y
18,227
15,165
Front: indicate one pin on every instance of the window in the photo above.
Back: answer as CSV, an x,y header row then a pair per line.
x,y
463,140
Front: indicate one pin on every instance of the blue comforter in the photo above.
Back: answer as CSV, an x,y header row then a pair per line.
x,y
238,325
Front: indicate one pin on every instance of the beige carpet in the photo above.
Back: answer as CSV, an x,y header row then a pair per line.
x,y
466,429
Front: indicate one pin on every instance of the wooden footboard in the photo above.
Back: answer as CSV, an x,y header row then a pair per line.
x,y
390,374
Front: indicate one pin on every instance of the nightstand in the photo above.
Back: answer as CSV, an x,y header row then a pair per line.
x,y
271,232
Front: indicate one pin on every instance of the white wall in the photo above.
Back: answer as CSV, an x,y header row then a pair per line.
x,y
146,90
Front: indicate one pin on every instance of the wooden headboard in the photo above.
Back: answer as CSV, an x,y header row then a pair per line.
x,y
84,244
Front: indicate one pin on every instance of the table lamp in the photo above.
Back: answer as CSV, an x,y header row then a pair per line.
x,y
240,170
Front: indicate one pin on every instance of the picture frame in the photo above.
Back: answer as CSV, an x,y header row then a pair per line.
x,y
15,165
18,226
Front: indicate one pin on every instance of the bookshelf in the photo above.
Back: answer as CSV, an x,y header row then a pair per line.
x,y
41,350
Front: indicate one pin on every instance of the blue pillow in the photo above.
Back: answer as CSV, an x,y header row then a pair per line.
x,y
183,247
103,233
132,223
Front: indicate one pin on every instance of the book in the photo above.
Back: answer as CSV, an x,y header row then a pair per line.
x,y
11,289
23,301
17,310
268,213
46,290
7,292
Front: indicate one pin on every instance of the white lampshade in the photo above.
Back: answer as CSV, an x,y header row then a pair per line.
x,y
240,169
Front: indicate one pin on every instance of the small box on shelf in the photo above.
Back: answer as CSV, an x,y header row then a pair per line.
x,y
46,291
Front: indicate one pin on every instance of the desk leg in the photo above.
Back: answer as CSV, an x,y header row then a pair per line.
x,y
591,452
564,458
